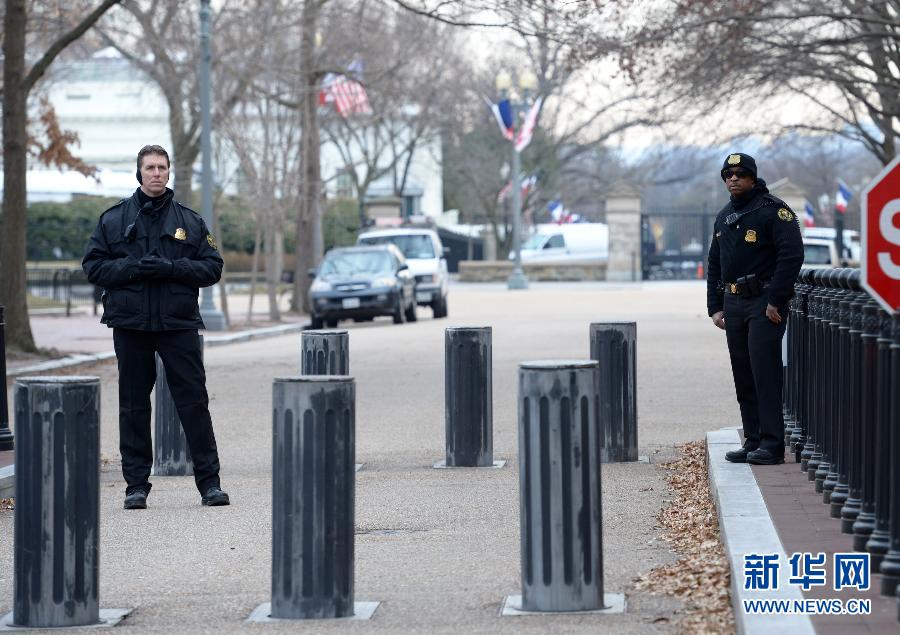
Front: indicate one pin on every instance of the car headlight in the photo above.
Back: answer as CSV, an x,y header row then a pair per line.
x,y
384,282
320,285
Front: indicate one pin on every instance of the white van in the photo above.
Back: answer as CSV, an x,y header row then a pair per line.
x,y
570,242
425,256
852,245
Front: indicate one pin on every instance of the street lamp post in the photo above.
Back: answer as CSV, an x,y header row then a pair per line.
x,y
527,83
212,317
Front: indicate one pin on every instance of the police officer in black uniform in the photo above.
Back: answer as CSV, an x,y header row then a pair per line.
x,y
755,256
151,254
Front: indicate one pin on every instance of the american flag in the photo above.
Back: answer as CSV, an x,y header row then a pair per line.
x,y
345,90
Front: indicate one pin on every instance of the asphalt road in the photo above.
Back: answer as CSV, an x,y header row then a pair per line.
x,y
438,548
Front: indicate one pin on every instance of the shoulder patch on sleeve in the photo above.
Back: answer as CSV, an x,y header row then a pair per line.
x,y
785,214
212,242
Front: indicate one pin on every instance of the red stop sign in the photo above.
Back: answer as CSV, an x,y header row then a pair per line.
x,y
881,237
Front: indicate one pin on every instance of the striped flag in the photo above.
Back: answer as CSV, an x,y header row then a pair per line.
x,y
809,214
528,126
503,114
346,92
842,198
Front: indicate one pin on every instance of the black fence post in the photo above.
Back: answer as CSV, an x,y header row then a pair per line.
x,y
841,489
559,475
325,352
614,348
865,521
313,479
57,516
468,400
800,379
880,540
852,506
890,565
831,476
7,442
815,368
825,388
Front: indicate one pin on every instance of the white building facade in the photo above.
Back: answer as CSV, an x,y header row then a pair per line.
x,y
115,110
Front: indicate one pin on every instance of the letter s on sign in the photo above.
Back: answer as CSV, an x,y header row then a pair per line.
x,y
891,234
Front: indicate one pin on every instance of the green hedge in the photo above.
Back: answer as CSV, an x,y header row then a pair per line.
x,y
60,231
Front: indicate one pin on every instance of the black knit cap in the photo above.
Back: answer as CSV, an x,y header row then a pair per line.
x,y
739,160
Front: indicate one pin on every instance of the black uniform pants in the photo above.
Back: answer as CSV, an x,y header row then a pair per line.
x,y
754,345
181,357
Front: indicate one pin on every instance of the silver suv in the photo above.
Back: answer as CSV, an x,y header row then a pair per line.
x,y
425,256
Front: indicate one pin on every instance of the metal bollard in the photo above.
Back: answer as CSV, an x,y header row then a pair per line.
x,y
890,565
57,516
798,440
6,438
613,346
830,476
325,352
468,397
880,540
559,473
171,454
313,474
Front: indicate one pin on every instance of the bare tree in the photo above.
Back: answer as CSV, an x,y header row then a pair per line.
x,y
839,57
18,81
161,40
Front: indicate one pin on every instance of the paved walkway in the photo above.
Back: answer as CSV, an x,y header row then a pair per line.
x,y
804,525
439,548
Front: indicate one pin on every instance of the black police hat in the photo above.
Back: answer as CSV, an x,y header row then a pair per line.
x,y
739,160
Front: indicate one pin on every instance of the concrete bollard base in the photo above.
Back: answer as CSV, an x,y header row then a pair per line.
x,y
612,602
108,619
261,614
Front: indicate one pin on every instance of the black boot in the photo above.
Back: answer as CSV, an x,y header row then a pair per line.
x,y
765,457
739,456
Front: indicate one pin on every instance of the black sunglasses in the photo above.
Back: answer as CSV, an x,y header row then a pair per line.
x,y
741,173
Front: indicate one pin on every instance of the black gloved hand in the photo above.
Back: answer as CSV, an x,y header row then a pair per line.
x,y
155,268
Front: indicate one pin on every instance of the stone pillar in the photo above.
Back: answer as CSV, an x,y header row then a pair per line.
x,y
623,215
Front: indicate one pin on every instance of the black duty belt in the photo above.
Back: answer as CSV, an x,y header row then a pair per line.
x,y
739,288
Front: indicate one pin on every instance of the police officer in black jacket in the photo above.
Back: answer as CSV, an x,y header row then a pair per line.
x,y
151,254
755,256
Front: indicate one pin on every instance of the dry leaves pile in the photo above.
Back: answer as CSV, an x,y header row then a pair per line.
x,y
701,578
7,504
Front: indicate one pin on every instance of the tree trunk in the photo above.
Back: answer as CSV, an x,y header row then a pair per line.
x,y
15,164
274,259
185,156
309,218
254,269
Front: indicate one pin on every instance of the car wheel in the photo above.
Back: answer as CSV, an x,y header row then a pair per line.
x,y
440,307
398,311
316,323
411,312
331,323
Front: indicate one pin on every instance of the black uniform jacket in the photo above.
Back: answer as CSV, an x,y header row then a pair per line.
x,y
765,240
177,233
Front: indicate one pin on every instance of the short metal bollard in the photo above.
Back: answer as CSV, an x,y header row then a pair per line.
x,y
325,352
313,475
57,516
171,454
468,397
559,473
613,346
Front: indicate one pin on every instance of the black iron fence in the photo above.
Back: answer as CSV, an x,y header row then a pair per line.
x,y
60,288
674,245
842,409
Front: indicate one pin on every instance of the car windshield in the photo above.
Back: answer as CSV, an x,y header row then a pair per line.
x,y
816,255
412,245
535,242
349,263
